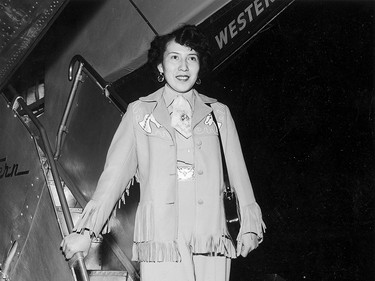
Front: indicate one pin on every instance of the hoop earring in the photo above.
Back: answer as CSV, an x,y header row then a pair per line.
x,y
161,77
198,82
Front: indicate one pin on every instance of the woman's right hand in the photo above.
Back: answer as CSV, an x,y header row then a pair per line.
x,y
76,242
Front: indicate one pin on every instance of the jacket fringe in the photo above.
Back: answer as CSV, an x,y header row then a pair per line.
x,y
152,251
145,249
167,251
214,245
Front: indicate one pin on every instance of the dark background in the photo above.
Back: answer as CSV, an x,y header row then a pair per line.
x,y
302,96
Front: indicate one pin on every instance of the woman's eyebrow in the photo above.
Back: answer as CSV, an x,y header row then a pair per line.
x,y
172,53
177,52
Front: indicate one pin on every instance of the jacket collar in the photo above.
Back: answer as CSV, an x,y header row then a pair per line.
x,y
161,114
154,97
157,95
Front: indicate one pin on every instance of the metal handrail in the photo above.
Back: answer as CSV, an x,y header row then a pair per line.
x,y
101,82
107,88
104,85
62,128
55,175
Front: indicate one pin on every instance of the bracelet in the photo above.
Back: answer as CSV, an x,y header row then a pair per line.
x,y
83,231
250,232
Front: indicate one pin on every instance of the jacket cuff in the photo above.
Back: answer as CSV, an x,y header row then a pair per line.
x,y
251,221
91,214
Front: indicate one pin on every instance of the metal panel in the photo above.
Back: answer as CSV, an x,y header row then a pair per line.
x,y
110,35
91,125
166,15
22,24
41,258
27,214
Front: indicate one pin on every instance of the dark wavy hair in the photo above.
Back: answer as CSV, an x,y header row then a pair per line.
x,y
186,35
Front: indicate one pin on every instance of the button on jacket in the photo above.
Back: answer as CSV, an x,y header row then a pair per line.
x,y
144,146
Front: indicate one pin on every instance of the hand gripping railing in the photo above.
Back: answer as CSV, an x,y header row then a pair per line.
x,y
78,257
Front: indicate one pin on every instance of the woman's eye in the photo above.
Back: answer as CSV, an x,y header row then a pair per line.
x,y
193,58
174,57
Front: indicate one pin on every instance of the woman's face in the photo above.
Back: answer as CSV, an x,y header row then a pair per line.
x,y
180,66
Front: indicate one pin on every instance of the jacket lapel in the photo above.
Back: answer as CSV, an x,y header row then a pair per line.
x,y
161,114
160,111
201,109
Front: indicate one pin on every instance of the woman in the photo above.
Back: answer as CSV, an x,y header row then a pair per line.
x,y
169,142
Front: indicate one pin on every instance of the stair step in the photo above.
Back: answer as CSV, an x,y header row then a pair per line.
x,y
100,275
93,260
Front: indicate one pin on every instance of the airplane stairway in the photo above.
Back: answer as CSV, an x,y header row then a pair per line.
x,y
93,261
91,96
108,258
94,265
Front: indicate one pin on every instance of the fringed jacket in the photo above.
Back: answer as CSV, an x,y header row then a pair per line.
x,y
144,146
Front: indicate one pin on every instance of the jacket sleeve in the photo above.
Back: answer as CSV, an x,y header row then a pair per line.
x,y
250,212
119,170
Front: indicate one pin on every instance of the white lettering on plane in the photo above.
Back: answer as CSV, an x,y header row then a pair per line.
x,y
237,25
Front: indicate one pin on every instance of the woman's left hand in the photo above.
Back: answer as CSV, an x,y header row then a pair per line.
x,y
247,243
